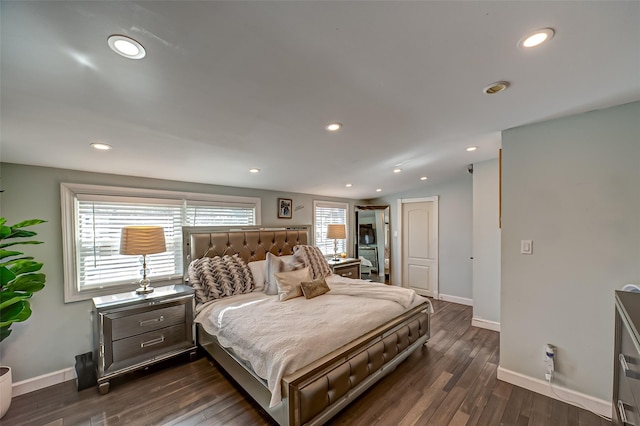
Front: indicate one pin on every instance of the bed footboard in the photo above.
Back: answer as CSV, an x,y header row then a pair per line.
x,y
317,392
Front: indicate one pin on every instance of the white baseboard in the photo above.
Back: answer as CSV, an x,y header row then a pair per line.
x,y
483,323
456,299
572,397
44,381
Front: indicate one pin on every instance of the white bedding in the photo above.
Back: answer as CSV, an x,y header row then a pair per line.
x,y
278,338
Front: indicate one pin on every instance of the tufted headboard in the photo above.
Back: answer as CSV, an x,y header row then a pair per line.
x,y
250,243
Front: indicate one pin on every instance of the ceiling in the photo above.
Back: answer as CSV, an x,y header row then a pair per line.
x,y
228,86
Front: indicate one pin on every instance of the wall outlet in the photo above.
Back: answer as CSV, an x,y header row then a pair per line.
x,y
550,361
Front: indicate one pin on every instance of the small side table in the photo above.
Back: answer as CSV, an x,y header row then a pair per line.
x,y
348,267
132,330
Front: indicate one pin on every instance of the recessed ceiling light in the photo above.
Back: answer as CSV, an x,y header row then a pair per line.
x,y
101,146
397,170
496,87
424,178
379,190
254,170
349,185
472,148
333,127
126,46
536,38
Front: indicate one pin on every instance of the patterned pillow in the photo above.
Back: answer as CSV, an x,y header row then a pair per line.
x,y
312,258
217,277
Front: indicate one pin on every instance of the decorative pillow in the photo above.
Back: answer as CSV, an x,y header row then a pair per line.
x,y
277,264
315,288
312,258
289,283
258,268
217,277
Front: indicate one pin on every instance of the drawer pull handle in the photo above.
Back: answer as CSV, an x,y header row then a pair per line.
x,y
152,342
347,274
625,368
623,414
151,321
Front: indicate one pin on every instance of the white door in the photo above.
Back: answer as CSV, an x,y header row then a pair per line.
x,y
420,246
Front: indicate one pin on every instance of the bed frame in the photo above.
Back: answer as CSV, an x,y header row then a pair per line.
x,y
315,393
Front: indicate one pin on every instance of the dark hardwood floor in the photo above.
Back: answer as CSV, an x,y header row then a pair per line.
x,y
452,381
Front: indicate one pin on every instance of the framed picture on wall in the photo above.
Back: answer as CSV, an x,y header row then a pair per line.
x,y
284,208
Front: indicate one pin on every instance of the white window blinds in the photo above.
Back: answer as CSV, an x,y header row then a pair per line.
x,y
324,214
92,252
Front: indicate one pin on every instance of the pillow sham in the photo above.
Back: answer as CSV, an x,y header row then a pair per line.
x,y
276,264
217,277
289,283
313,258
258,268
311,289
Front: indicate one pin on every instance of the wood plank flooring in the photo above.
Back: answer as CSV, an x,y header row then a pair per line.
x,y
452,381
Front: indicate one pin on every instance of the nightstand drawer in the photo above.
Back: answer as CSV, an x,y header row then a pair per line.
x,y
348,271
149,343
143,322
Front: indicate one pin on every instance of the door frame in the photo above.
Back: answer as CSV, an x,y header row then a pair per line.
x,y
398,257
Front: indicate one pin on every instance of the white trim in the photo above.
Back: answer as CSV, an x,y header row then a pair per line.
x,y
572,397
44,381
483,323
456,299
397,275
332,205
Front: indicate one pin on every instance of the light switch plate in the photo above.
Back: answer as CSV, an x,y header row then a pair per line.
x,y
526,247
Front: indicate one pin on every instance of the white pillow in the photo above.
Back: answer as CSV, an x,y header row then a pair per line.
x,y
276,264
290,283
258,270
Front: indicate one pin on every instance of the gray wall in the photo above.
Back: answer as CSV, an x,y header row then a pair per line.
x,y
454,232
56,332
486,241
571,185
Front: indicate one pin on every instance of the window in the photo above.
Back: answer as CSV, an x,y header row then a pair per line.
x,y
324,213
93,217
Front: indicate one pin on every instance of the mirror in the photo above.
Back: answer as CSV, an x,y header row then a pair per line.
x,y
372,243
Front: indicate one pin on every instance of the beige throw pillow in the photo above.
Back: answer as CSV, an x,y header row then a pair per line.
x,y
289,283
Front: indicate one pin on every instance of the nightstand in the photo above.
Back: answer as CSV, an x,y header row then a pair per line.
x,y
132,330
349,267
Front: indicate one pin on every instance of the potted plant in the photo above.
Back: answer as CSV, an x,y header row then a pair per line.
x,y
19,279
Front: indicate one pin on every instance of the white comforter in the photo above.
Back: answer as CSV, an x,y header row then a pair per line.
x,y
278,338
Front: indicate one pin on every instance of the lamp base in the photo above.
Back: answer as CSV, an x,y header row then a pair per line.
x,y
144,290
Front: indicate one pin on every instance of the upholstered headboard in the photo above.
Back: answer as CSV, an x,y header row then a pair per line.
x,y
250,243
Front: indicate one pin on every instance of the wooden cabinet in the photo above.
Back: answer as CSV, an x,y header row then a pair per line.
x,y
626,381
132,331
349,268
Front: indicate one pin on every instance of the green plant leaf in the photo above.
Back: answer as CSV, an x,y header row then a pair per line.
x,y
5,231
5,296
11,299
6,275
25,266
2,221
21,233
9,253
13,243
17,312
17,259
27,282
29,222
4,333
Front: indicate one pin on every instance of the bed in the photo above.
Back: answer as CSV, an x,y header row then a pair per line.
x,y
309,388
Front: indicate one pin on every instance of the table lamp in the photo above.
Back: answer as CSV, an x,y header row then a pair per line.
x,y
337,231
142,240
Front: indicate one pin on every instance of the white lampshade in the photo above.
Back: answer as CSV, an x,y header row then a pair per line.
x,y
142,240
336,231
